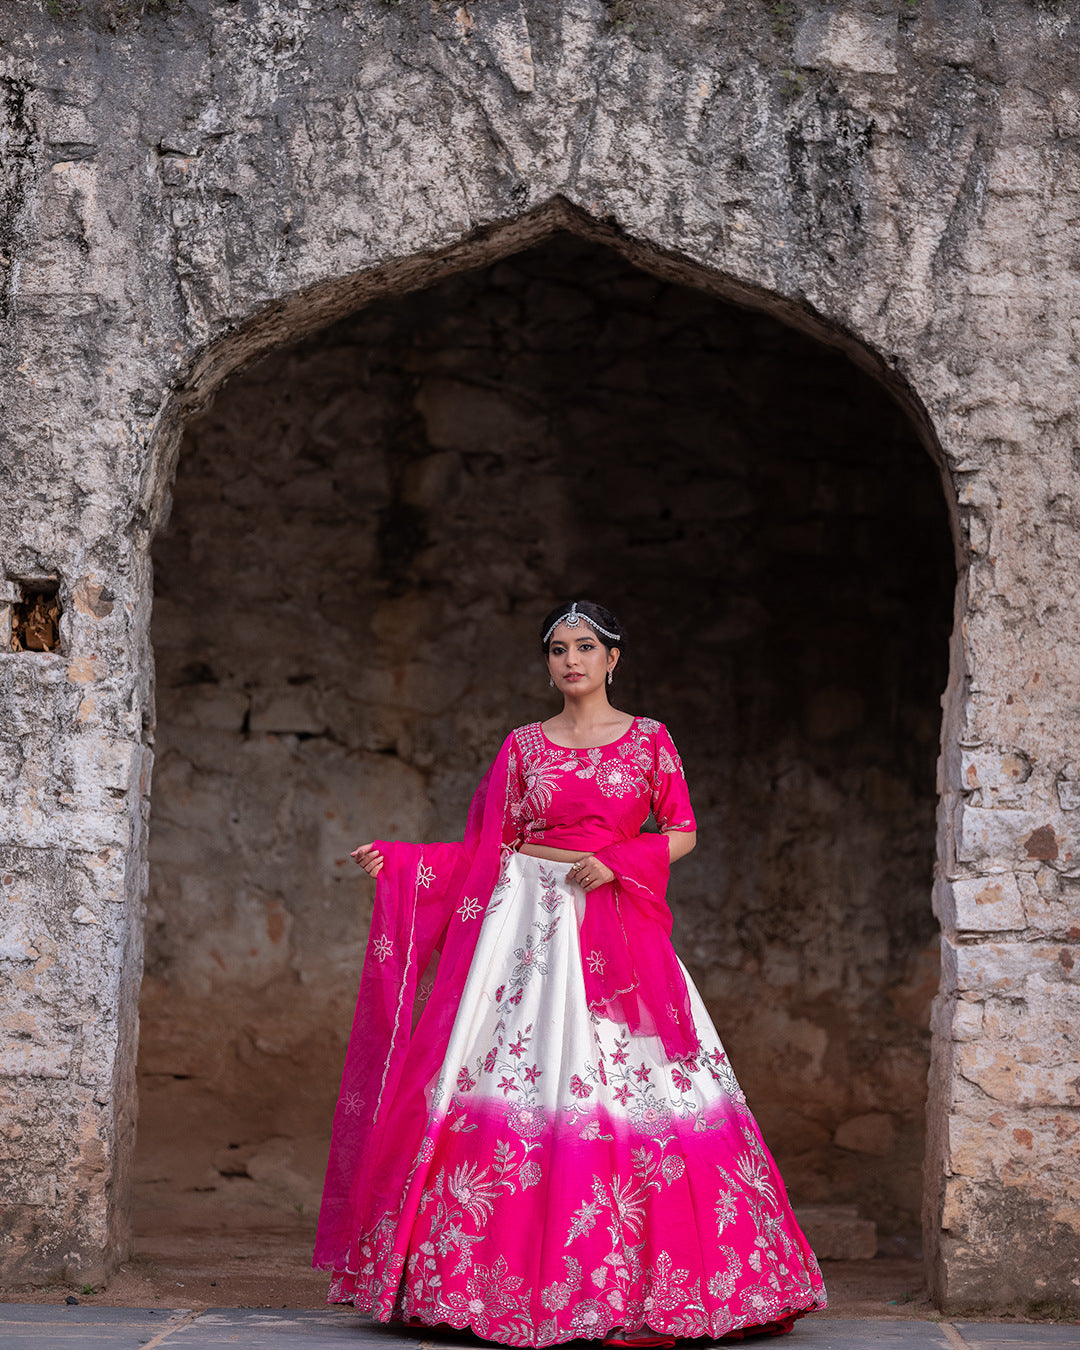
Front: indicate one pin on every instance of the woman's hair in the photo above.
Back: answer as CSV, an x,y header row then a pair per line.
x,y
596,616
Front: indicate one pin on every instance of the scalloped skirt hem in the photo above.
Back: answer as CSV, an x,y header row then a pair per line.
x,y
643,1334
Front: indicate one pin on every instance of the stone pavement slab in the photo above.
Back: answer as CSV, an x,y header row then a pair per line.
x,y
1018,1336
36,1326
824,1333
39,1327
289,1329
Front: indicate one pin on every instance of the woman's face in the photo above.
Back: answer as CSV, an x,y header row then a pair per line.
x,y
578,661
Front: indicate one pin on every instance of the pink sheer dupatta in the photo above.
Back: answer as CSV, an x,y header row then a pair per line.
x,y
430,901
632,974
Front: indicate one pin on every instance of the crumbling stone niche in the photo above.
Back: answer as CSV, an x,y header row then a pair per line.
x,y
366,529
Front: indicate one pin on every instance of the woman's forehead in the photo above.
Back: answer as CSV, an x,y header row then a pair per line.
x,y
580,633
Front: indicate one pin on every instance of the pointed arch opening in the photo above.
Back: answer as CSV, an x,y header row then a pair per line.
x,y
366,525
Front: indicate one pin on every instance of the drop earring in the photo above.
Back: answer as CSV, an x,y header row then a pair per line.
x,y
551,682
609,677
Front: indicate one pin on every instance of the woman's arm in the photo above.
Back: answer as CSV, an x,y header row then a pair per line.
x,y
680,842
589,872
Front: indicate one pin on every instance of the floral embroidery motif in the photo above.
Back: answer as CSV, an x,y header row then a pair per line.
x,y
528,1121
617,779
597,962
353,1103
383,947
550,896
469,909
541,781
425,875
556,1296
530,958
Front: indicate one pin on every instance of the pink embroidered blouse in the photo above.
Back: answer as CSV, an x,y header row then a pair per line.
x,y
590,798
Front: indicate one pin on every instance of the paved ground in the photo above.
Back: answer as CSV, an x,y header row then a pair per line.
x,y
29,1326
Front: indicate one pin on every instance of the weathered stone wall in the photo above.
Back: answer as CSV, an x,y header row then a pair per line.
x,y
365,532
187,188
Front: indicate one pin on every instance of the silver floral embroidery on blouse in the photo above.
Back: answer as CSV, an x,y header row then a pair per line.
x,y
627,770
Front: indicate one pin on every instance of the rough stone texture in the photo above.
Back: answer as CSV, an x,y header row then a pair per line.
x,y
365,531
836,1232
198,182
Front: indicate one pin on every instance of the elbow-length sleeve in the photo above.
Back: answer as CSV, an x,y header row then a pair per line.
x,y
513,822
670,795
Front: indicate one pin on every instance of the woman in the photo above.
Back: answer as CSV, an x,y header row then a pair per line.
x,y
539,1135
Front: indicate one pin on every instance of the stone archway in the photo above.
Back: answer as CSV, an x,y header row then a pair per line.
x,y
361,513
187,187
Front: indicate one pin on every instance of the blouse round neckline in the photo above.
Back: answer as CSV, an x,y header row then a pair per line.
x,y
583,748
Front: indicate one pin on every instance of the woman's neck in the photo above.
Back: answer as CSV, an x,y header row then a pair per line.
x,y
592,711
589,719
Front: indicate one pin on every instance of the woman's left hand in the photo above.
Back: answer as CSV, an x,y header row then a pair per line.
x,y
590,872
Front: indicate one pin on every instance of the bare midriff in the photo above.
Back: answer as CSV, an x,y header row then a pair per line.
x,y
553,854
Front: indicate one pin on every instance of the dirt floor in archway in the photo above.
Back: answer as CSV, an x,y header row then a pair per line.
x,y
198,1250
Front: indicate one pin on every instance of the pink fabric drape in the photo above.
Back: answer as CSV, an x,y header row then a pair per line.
x,y
631,971
429,904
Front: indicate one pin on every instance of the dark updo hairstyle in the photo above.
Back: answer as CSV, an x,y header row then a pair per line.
x,y
588,611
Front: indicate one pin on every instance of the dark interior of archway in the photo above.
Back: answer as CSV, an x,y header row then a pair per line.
x,y
367,527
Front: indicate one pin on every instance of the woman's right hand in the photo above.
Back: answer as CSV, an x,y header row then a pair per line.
x,y
370,860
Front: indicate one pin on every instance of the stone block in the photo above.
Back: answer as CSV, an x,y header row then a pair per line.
x,y
1050,909
848,40
100,763
429,482
288,710
1019,1147
993,837
988,904
32,1059
1041,1073
416,686
1068,792
1007,969
15,942
873,1133
206,706
967,1020
1017,170
1000,772
461,417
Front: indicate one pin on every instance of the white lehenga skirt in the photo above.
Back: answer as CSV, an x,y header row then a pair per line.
x,y
572,1180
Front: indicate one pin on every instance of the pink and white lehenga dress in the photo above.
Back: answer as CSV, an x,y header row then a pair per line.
x,y
539,1135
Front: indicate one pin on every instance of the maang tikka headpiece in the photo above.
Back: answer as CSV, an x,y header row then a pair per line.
x,y
572,618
